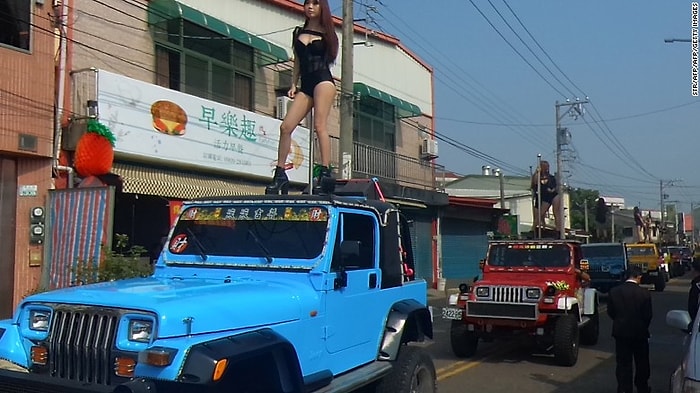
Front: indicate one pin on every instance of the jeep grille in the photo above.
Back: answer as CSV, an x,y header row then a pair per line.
x,y
502,310
80,344
507,294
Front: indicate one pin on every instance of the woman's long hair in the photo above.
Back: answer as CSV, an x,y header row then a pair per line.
x,y
329,34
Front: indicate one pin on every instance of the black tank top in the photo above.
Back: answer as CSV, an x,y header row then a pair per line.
x,y
312,57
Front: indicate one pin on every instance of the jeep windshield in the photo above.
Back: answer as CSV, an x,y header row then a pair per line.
x,y
603,251
529,255
640,251
262,235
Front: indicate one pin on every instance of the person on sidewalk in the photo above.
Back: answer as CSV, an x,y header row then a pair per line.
x,y
630,308
694,292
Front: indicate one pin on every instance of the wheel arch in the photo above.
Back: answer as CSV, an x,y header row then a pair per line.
x,y
407,321
201,359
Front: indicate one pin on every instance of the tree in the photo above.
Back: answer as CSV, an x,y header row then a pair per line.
x,y
580,198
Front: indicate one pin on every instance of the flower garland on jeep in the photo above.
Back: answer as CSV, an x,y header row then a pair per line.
x,y
559,285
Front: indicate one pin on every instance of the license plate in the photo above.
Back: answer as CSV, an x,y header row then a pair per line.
x,y
452,313
653,273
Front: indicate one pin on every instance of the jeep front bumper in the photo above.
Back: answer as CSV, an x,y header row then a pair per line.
x,y
14,382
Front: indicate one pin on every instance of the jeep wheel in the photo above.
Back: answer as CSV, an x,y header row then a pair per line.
x,y
566,336
413,372
660,282
591,331
463,341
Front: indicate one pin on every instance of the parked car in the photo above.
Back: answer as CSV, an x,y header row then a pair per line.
x,y
607,264
686,377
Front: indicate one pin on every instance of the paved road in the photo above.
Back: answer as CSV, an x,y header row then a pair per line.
x,y
510,367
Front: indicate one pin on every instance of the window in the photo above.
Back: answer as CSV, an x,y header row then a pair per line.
x,y
14,23
201,62
360,228
375,123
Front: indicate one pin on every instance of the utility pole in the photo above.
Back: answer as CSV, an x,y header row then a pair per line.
x,y
502,189
346,92
574,109
661,206
585,214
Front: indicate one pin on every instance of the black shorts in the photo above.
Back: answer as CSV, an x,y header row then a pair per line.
x,y
310,80
547,198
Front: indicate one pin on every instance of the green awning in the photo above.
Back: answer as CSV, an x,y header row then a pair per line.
x,y
403,108
160,10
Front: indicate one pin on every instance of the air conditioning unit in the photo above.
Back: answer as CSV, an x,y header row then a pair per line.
x,y
428,149
283,104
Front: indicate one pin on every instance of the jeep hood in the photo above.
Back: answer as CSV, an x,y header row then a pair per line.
x,y
211,304
522,279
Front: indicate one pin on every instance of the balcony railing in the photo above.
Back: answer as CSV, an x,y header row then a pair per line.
x,y
369,161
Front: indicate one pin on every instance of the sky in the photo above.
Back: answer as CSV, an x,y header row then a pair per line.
x,y
639,129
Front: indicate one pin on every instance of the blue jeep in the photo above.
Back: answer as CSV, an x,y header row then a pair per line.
x,y
270,293
607,264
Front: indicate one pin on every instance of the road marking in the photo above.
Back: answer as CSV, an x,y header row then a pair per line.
x,y
463,365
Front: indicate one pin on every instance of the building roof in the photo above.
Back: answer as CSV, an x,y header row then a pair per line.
x,y
486,182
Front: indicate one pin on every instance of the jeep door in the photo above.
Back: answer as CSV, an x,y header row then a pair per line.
x,y
353,308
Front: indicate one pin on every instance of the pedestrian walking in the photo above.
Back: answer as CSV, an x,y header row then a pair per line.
x,y
315,47
694,292
629,306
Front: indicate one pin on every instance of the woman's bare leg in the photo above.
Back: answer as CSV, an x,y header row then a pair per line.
x,y
301,106
324,95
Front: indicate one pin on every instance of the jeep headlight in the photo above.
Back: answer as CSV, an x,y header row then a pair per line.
x,y
532,293
39,320
140,331
482,291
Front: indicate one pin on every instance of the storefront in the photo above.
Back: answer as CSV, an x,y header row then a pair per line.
x,y
465,225
171,146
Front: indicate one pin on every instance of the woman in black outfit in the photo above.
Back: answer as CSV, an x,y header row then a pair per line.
x,y
315,49
548,195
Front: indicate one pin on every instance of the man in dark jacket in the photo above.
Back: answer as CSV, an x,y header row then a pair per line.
x,y
694,293
629,306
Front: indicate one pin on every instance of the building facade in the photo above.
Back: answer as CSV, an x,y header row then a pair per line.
x,y
222,67
27,50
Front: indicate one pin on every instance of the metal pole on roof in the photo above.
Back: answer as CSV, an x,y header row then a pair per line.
x,y
346,145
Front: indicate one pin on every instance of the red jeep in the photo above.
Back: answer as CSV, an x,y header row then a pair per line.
x,y
537,288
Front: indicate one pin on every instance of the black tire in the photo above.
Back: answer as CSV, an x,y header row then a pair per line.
x,y
660,281
463,342
566,340
591,331
413,372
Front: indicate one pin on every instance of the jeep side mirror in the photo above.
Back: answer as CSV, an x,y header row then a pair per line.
x,y
482,263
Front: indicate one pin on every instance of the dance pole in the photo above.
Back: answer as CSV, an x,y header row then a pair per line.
x,y
538,173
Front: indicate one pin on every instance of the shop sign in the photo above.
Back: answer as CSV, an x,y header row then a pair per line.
x,y
29,190
159,124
